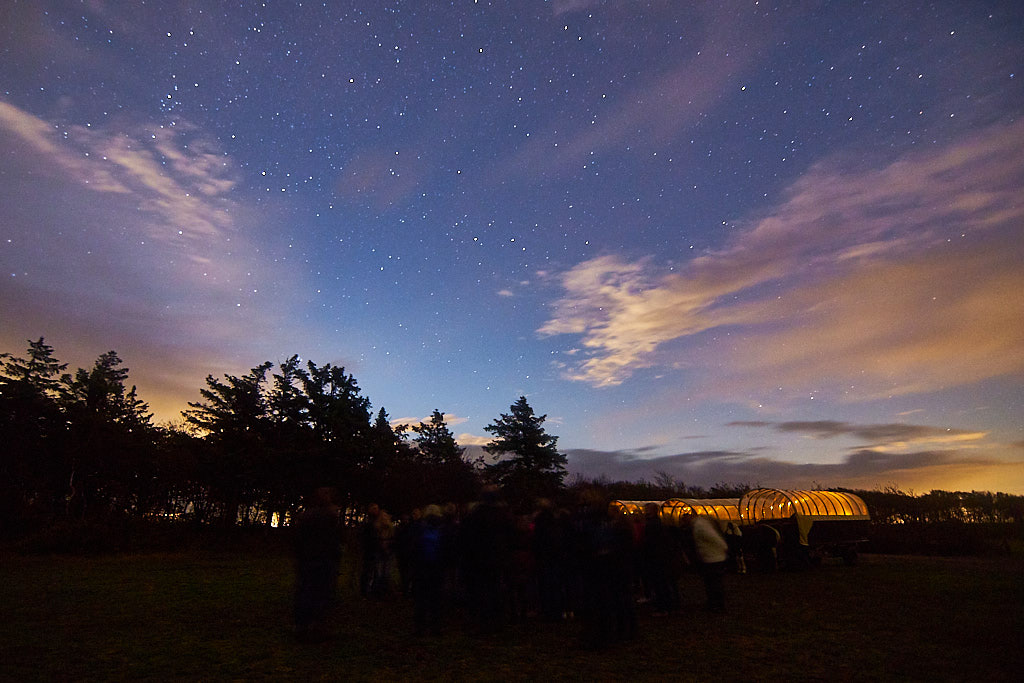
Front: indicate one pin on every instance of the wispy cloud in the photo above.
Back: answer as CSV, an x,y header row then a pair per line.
x,y
882,281
42,140
177,178
128,237
559,7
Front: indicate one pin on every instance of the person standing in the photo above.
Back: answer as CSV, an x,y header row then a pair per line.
x,y
712,552
657,562
369,542
317,544
734,539
486,547
431,555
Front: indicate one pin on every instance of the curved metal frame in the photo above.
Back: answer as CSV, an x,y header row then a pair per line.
x,y
724,510
765,504
631,507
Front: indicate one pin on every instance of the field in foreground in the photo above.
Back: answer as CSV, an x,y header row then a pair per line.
x,y
225,617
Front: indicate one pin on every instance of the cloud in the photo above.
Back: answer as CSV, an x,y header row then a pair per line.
x,y
128,238
449,420
623,316
559,7
630,465
40,139
865,469
882,437
467,439
883,281
174,175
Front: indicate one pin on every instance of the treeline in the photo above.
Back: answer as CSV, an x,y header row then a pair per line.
x,y
83,445
893,506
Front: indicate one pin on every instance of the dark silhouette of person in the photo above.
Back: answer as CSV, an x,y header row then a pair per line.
x,y
521,569
377,536
369,542
658,562
317,545
734,538
763,540
604,549
407,531
550,552
486,546
430,557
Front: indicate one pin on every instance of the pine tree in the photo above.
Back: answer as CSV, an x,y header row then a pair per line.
x,y
435,441
32,432
443,473
387,444
529,464
37,375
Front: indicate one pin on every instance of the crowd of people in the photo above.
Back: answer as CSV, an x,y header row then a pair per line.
x,y
494,566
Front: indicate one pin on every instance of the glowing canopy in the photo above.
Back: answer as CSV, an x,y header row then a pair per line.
x,y
724,510
764,504
631,507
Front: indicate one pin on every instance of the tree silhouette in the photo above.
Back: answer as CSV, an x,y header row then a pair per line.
x,y
339,416
268,446
234,419
387,445
111,438
281,467
435,442
444,473
32,433
530,464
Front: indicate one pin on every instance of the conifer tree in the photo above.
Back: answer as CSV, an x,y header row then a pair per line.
x,y
529,464
32,431
435,441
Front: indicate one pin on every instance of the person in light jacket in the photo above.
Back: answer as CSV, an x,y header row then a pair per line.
x,y
712,552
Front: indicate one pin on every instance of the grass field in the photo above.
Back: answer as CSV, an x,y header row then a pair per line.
x,y
205,616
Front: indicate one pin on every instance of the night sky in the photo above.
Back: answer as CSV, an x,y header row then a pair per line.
x,y
742,242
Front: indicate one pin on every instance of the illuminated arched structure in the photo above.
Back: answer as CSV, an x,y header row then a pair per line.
x,y
724,510
631,507
766,504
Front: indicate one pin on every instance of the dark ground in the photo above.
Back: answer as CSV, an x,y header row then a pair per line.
x,y
218,616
